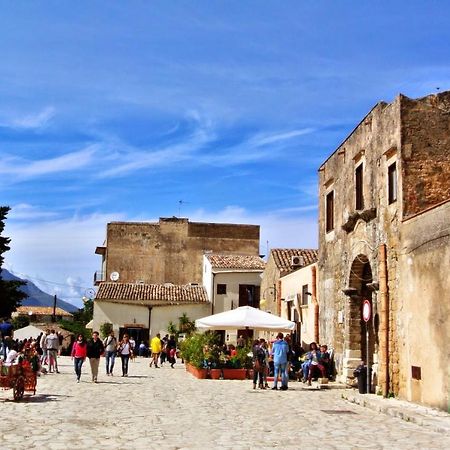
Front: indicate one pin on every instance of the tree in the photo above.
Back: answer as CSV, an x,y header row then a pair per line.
x,y
10,294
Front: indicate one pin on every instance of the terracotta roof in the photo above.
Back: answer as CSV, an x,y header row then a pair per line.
x,y
150,294
283,258
42,311
245,262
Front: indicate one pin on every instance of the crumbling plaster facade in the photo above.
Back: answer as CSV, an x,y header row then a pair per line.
x,y
362,246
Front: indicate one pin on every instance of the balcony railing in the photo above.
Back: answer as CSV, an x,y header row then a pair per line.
x,y
99,276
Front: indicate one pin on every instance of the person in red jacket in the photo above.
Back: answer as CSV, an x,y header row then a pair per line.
x,y
79,351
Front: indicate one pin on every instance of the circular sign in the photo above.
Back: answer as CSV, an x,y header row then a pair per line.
x,y
90,293
114,276
366,310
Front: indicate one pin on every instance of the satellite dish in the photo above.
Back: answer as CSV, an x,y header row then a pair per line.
x,y
114,276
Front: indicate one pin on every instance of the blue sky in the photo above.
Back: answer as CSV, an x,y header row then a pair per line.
x,y
119,110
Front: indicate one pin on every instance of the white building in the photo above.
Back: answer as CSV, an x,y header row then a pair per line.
x,y
231,281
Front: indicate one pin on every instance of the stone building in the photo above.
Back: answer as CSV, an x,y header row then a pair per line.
x,y
169,251
156,271
384,216
281,261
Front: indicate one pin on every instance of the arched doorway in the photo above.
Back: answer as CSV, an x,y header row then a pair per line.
x,y
359,278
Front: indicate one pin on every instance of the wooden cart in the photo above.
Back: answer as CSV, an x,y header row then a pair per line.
x,y
18,378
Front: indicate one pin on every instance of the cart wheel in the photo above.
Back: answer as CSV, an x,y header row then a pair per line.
x,y
19,388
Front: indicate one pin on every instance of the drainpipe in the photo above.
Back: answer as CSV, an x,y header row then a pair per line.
x,y
213,293
315,302
384,319
277,289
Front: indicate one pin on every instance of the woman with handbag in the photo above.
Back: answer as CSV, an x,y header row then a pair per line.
x,y
79,352
125,351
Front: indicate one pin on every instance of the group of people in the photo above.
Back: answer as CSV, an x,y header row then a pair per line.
x,y
287,359
94,348
317,362
163,350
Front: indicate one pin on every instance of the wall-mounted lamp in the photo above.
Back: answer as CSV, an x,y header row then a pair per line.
x,y
374,286
350,291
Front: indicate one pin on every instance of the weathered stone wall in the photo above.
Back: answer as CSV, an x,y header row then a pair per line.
x,y
172,250
425,151
373,143
415,135
269,280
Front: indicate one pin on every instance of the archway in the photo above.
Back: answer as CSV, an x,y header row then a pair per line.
x,y
360,276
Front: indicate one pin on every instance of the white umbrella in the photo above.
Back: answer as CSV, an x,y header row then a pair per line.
x,y
245,317
27,332
90,324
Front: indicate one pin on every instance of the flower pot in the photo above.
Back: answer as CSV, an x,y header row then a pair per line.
x,y
234,374
215,373
198,373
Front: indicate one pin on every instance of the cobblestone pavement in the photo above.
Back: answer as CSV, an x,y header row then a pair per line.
x,y
167,408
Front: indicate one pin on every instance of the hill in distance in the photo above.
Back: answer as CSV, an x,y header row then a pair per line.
x,y
37,297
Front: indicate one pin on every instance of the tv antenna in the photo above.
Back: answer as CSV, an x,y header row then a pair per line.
x,y
180,204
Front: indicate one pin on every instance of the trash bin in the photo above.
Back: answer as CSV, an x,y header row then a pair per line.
x,y
361,374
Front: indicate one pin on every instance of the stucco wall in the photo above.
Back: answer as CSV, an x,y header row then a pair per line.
x,y
424,322
291,287
232,280
119,314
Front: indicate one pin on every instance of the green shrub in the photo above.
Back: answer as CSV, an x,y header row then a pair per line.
x,y
105,329
20,322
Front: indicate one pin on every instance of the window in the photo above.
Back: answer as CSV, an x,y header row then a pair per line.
x,y
359,187
392,183
329,224
305,294
221,289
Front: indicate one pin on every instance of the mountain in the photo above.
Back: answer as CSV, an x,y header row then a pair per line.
x,y
37,297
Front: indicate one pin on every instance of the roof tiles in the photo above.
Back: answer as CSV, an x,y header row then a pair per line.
x,y
151,294
243,262
283,257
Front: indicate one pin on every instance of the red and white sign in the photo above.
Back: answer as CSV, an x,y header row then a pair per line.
x,y
366,311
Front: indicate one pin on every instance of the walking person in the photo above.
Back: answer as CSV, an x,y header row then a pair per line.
x,y
279,352
124,349
79,351
155,345
95,349
43,344
263,346
52,344
172,350
110,344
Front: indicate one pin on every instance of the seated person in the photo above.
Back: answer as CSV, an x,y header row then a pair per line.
x,y
12,357
307,362
316,365
325,359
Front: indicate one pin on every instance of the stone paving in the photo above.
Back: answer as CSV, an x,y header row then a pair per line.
x,y
167,408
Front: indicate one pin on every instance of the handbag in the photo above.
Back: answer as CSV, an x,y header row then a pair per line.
x,y
257,366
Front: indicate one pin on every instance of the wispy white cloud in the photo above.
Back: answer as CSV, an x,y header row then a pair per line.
x,y
24,211
31,121
59,251
25,169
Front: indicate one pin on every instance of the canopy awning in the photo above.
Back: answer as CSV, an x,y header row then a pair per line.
x,y
245,317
